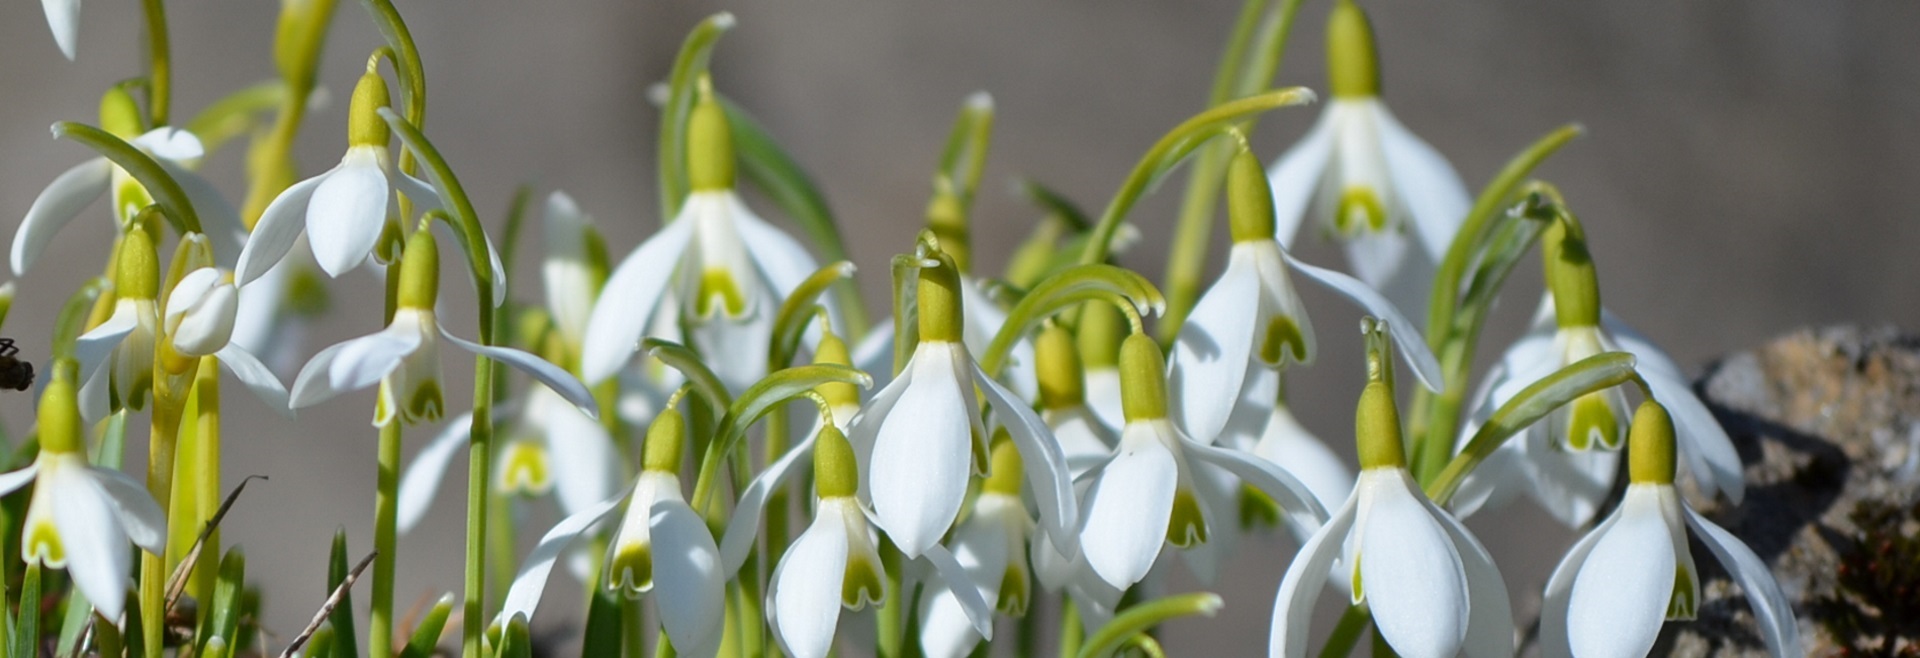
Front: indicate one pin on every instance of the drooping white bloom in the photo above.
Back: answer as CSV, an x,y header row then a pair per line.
x,y
1147,495
921,436
1390,197
406,355
176,151
661,546
1252,320
1622,581
116,358
343,211
199,320
1432,588
82,517
551,447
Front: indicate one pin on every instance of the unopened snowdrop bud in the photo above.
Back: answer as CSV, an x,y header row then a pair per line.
x,y
1058,366
1143,379
941,318
138,272
420,272
1651,448
1006,476
710,157
364,125
1353,63
1249,199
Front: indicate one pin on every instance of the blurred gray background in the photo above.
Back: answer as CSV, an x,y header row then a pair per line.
x,y
1749,168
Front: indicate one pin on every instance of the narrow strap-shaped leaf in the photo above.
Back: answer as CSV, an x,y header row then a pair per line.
x,y
223,617
166,191
688,67
756,401
26,627
601,638
1054,203
798,311
346,643
1594,373
1066,290
326,609
426,634
679,357
964,158
73,317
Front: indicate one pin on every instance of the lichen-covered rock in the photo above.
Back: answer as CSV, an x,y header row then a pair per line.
x,y
1828,423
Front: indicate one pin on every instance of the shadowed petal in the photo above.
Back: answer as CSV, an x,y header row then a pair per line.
x,y
256,377
1295,177
628,301
1433,193
531,581
689,586
1127,509
1620,595
279,227
1770,607
98,557
1211,354
353,365
804,596
58,204
347,211
1490,626
744,524
553,377
1406,334
1045,463
422,479
1293,604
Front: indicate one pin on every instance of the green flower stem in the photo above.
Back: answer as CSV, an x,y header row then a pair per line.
x,y
748,593
270,165
1140,618
159,62
1347,633
166,191
386,514
1240,73
206,487
1126,290
1071,632
1175,146
889,626
751,406
1594,373
163,441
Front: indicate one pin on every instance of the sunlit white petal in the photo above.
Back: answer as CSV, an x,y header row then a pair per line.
x,y
628,301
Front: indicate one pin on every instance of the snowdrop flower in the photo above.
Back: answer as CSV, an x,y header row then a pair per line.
x,y
1146,494
729,268
199,320
1569,460
1251,319
1621,582
405,356
342,212
921,436
661,546
573,270
990,544
1432,588
82,517
834,563
1389,196
117,356
176,151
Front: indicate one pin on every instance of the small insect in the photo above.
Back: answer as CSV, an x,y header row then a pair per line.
x,y
15,373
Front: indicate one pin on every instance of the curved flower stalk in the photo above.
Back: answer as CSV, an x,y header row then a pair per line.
x,y
661,546
990,545
1432,588
117,356
406,355
1251,319
343,211
1568,462
1621,582
921,436
1390,197
82,517
728,267
835,564
176,151
199,321
1146,495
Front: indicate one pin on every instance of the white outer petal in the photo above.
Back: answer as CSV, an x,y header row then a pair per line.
x,y
531,581
219,220
1295,177
354,364
208,327
961,587
1412,575
629,300
1304,512
1045,464
63,17
864,430
1406,334
983,319
1432,191
1288,444
1702,441
14,480
1103,396
173,144
59,203
1211,354
1126,510
1490,622
1293,603
744,525
1559,592
689,586
279,227
803,598
553,377
584,452
1084,441
98,557
422,478
1770,607
347,211
1620,595
145,525
778,256
256,377
923,452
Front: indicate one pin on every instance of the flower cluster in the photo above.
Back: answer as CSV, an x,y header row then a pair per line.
x,y
704,410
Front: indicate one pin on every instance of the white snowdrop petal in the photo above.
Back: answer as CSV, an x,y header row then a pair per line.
x,y
351,365
689,586
804,595
1293,603
628,300
783,261
59,203
1770,606
138,515
1287,444
1490,625
1045,465
1620,595
1127,509
1295,177
1304,511
279,227
531,581
744,525
14,480
63,17
961,586
1711,455
1406,334
1410,571
1433,193
174,144
98,556
584,453
1559,592
1211,354
422,478
923,453
554,377
255,376
209,327
219,220
347,211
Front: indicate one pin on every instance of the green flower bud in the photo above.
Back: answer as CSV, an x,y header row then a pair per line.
x,y
941,316
1570,274
710,158
1650,446
138,267
1376,428
664,438
1143,379
1249,198
420,272
1007,474
1353,64
835,473
60,425
1057,364
364,125
120,114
